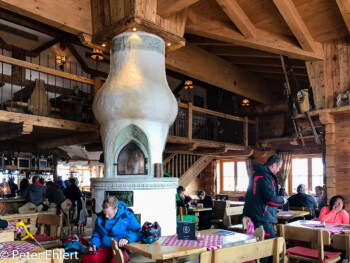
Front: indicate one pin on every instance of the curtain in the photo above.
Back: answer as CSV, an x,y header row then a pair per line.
x,y
285,169
249,165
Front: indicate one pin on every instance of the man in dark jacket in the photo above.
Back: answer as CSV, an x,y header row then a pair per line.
x,y
205,216
262,198
54,193
35,193
301,199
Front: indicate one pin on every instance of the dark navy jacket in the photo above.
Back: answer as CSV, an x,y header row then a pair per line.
x,y
303,200
261,200
125,227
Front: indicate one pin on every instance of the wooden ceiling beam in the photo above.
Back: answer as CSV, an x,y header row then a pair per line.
x,y
165,8
202,65
274,70
270,62
238,17
13,117
45,46
296,24
18,32
15,130
344,7
203,41
240,52
202,25
83,138
280,76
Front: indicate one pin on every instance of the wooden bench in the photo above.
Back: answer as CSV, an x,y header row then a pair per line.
x,y
229,212
272,247
317,237
30,220
219,213
50,226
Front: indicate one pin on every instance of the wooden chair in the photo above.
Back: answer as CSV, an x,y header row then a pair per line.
x,y
342,242
219,212
318,239
229,212
67,210
181,211
259,233
117,253
206,257
272,247
50,227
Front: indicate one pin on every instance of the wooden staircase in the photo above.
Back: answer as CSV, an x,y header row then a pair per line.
x,y
186,166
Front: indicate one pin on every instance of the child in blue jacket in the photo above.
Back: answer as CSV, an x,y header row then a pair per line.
x,y
116,222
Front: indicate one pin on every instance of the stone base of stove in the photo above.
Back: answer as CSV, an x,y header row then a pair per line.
x,y
153,198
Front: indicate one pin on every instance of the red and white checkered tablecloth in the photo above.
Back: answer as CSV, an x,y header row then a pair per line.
x,y
9,248
210,241
12,225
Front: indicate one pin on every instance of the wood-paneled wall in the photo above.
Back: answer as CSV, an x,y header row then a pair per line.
x,y
337,157
204,182
331,76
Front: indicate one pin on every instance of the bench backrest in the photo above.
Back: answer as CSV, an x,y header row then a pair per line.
x,y
272,247
219,208
232,211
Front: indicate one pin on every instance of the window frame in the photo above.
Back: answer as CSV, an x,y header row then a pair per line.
x,y
235,161
309,171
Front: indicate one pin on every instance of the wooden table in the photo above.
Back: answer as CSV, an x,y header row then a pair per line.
x,y
196,210
166,254
339,241
292,215
236,203
37,250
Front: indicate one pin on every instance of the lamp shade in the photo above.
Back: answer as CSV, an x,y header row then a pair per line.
x,y
97,54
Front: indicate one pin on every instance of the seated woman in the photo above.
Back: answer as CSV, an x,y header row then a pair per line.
x,y
115,222
335,213
205,216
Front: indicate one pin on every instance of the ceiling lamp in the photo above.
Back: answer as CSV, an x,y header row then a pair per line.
x,y
97,54
245,103
188,84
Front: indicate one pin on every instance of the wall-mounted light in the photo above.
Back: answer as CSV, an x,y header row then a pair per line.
x,y
61,60
188,84
168,44
97,54
134,29
245,103
103,45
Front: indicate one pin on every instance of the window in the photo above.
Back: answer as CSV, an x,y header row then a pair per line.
x,y
306,170
233,176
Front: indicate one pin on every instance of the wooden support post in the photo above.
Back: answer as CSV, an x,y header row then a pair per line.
x,y
189,121
256,130
245,131
97,85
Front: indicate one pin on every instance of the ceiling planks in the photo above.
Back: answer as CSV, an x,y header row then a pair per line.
x,y
344,7
238,17
165,8
296,24
202,65
200,25
74,21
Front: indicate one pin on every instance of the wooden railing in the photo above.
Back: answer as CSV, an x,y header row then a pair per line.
x,y
177,164
27,87
198,123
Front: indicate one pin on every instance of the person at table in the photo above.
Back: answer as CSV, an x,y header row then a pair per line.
x,y
54,193
24,182
205,216
335,212
319,196
115,221
182,200
35,192
13,187
262,197
302,199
